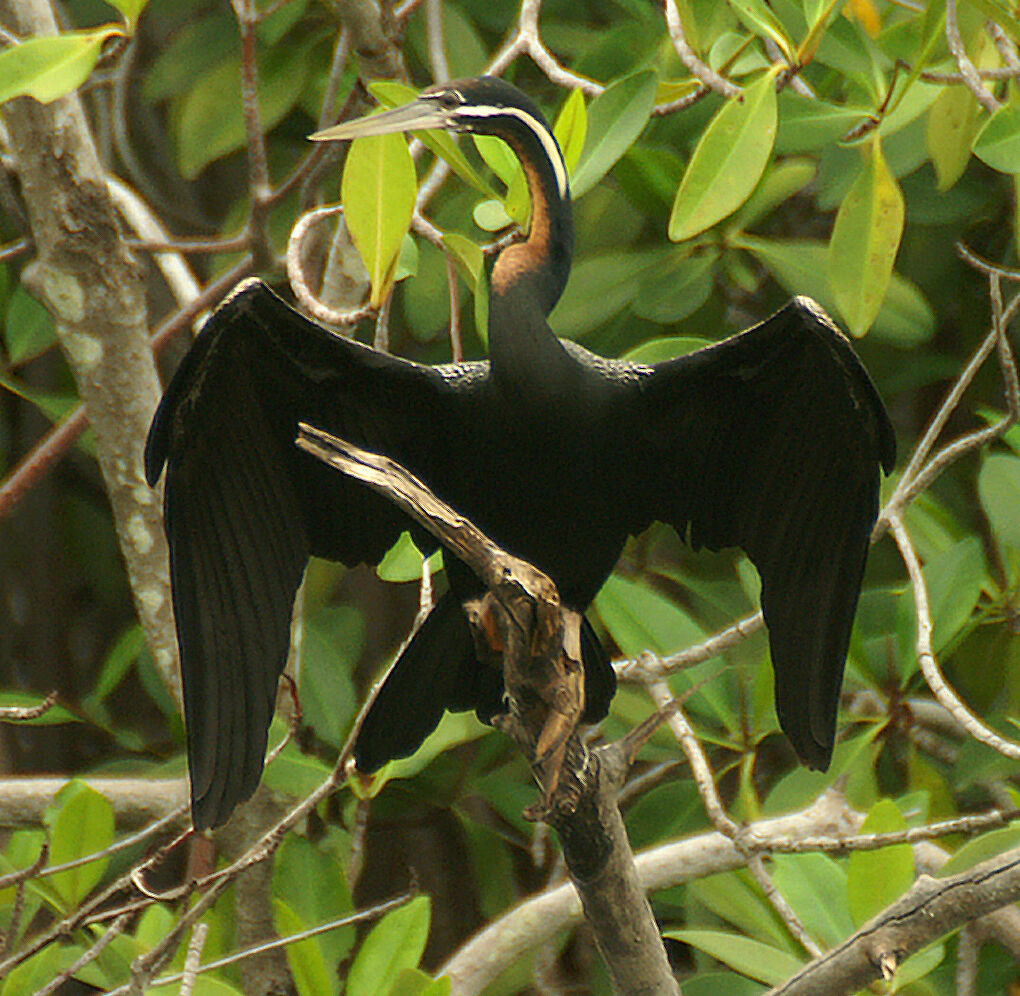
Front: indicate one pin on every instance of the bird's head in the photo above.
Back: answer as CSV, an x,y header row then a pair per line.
x,y
485,105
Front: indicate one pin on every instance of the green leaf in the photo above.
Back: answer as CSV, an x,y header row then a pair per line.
x,y
571,129
491,216
396,942
394,94
754,959
293,774
308,878
877,878
998,142
312,976
815,887
415,982
665,348
670,293
952,124
809,125
905,319
81,823
29,329
999,490
403,561
615,119
865,240
780,182
330,645
498,156
756,16
955,580
989,845
612,279
131,9
210,121
639,618
378,192
47,68
42,968
467,254
727,162
736,898
118,661
454,728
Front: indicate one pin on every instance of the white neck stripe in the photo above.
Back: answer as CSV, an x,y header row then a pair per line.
x,y
552,149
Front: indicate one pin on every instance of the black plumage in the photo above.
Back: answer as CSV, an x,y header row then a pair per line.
x,y
770,440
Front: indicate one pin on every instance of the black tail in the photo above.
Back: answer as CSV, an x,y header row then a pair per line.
x,y
438,670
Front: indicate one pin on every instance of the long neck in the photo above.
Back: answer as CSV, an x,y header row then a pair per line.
x,y
529,277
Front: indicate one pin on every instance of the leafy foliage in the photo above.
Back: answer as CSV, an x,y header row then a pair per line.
x,y
852,185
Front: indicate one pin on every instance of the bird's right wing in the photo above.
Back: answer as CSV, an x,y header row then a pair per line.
x,y
244,507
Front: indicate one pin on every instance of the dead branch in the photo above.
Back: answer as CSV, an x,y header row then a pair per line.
x,y
521,623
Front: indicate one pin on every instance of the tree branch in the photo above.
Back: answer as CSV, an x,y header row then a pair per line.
x,y
931,909
539,648
93,287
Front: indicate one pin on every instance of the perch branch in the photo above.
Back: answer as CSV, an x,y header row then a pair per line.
x,y
520,619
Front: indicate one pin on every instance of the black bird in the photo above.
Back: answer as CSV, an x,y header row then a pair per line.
x,y
770,440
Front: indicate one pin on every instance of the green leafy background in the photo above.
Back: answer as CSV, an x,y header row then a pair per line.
x,y
690,225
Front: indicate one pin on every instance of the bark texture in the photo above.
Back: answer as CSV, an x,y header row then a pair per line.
x,y
86,277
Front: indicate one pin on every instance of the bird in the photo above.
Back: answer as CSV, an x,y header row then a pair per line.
x,y
772,440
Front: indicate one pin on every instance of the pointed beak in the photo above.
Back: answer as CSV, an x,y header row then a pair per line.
x,y
412,117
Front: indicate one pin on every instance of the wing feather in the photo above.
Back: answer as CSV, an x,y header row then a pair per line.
x,y
773,441
245,508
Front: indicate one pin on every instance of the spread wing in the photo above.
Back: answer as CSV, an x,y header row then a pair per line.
x,y
772,441
244,508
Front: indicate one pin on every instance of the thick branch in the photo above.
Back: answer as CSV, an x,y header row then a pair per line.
x,y
89,281
136,802
930,910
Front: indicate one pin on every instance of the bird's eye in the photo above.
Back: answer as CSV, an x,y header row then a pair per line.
x,y
449,100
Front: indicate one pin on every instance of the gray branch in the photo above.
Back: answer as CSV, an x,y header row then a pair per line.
x,y
930,910
540,656
89,281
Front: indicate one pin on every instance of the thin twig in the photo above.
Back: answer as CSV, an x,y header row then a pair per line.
x,y
259,190
543,58
926,655
299,282
649,667
970,75
14,249
362,916
1006,46
708,76
456,342
193,959
115,848
87,957
436,40
20,714
705,781
381,339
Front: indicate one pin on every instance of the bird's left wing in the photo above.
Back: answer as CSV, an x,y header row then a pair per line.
x,y
772,441
244,508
